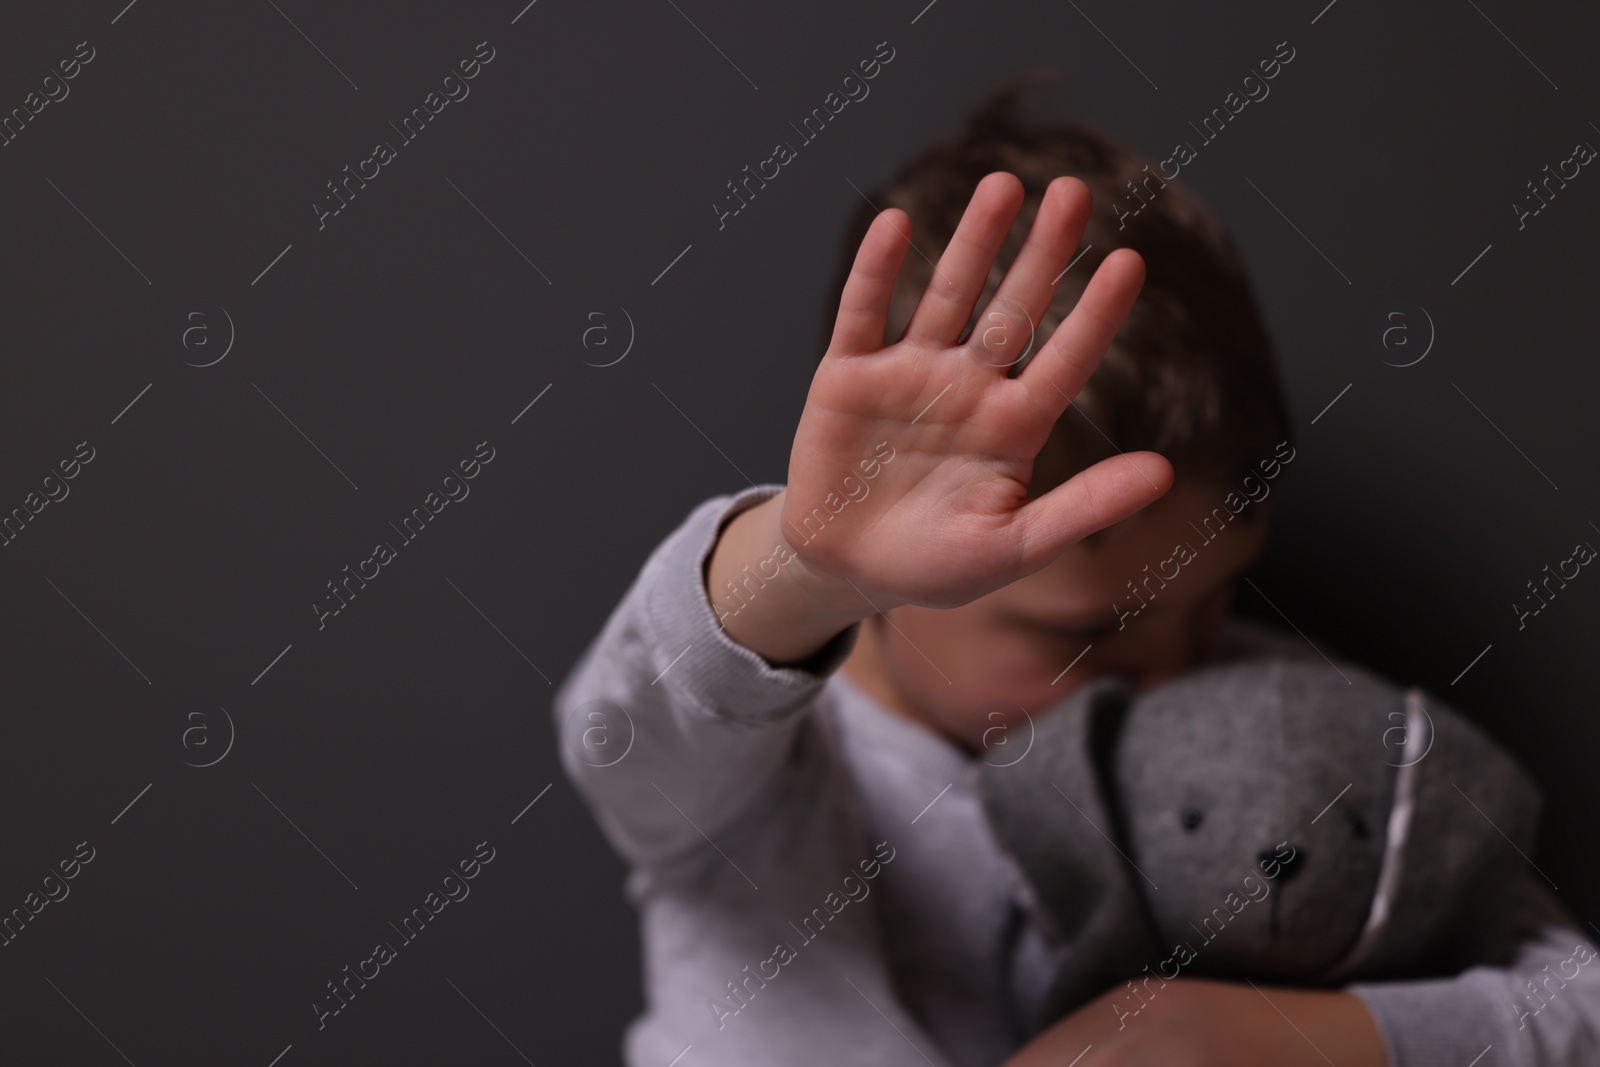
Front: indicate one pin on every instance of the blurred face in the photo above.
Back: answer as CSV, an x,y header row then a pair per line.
x,y
953,669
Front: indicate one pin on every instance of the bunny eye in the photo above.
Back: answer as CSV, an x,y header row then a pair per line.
x,y
1191,818
1358,825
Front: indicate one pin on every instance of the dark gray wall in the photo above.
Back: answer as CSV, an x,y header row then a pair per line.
x,y
379,350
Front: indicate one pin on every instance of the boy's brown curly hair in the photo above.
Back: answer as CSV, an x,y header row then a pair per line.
x,y
1191,374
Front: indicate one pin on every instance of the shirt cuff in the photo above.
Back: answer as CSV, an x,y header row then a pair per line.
x,y
694,654
1437,1023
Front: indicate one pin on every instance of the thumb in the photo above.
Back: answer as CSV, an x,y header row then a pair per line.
x,y
1094,498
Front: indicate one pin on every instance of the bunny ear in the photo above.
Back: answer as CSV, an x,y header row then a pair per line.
x,y
1415,741
1465,820
1108,709
1049,813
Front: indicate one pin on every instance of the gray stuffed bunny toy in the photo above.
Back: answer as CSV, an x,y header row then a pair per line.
x,y
1273,819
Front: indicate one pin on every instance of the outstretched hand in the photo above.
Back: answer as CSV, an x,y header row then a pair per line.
x,y
950,519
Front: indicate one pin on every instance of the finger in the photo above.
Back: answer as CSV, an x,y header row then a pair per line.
x,y
1006,329
864,304
1057,373
1090,500
959,277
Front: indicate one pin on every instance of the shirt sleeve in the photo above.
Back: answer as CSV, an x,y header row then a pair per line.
x,y
1542,1010
668,727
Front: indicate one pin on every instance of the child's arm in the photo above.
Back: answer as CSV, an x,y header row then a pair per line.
x,y
1543,1010
908,483
668,726
1482,1017
1196,1022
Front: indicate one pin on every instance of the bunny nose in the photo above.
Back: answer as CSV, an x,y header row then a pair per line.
x,y
1287,868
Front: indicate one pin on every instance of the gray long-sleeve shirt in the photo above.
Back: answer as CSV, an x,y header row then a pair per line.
x,y
817,883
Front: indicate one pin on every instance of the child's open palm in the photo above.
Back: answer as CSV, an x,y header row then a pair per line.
x,y
950,520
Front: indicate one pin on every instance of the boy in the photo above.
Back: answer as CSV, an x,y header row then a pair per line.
x,y
779,725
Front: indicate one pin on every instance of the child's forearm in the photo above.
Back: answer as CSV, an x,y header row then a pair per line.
x,y
775,604
669,728
1194,1022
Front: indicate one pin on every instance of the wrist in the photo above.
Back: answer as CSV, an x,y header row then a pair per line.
x,y
769,599
830,594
